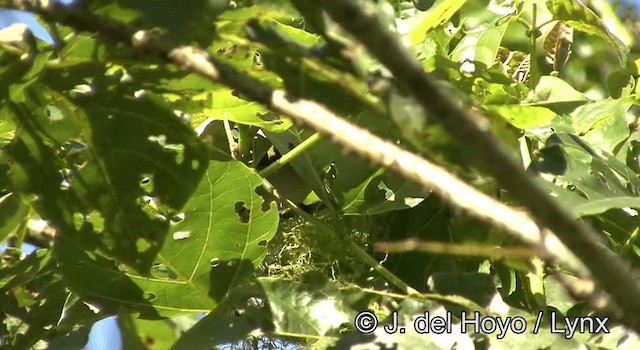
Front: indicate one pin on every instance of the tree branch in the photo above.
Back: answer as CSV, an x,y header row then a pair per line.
x,y
612,274
473,132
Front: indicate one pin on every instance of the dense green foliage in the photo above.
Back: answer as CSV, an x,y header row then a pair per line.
x,y
147,187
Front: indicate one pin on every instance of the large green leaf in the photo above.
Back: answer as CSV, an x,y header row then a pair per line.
x,y
601,205
602,124
599,177
219,237
99,138
555,94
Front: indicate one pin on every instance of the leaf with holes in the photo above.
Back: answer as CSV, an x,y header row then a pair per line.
x,y
216,241
224,232
223,104
381,192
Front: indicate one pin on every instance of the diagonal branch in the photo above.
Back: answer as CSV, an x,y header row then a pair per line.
x,y
472,130
611,273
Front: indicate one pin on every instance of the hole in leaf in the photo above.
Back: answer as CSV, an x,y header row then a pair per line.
x,y
267,198
237,312
148,342
149,296
255,302
54,114
146,183
161,140
142,245
177,218
262,243
96,220
180,235
243,212
66,174
232,263
215,262
386,192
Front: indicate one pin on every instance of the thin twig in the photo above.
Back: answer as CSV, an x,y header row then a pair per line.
x,y
474,250
291,155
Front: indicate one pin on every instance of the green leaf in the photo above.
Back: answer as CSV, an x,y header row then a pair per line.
x,y
136,141
177,18
381,192
522,117
224,105
440,12
602,124
598,176
226,228
219,237
555,94
25,270
241,313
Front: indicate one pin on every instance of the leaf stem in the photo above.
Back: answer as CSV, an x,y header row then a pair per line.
x,y
291,155
245,142
533,35
626,248
453,299
524,23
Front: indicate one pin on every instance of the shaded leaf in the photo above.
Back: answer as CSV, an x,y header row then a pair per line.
x,y
218,239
